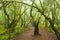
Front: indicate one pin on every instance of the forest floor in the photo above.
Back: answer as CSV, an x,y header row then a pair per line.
x,y
44,35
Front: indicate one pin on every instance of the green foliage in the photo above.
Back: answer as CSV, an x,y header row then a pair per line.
x,y
16,15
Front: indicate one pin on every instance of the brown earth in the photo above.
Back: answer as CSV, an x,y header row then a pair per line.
x,y
44,35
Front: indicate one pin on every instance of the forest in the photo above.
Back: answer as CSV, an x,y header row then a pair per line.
x,y
29,19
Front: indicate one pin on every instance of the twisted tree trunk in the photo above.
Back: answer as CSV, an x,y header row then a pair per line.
x,y
54,29
36,29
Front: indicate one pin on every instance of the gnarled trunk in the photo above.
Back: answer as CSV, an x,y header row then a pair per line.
x,y
55,30
36,29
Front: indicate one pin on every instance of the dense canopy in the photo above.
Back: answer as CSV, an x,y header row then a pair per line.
x,y
17,16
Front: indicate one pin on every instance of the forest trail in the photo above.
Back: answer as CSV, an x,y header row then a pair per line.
x,y
28,35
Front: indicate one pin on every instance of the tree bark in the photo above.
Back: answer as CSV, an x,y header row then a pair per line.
x,y
36,29
54,29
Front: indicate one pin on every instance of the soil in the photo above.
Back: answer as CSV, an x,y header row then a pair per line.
x,y
44,35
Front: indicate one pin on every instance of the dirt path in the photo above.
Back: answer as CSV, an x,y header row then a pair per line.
x,y
28,35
